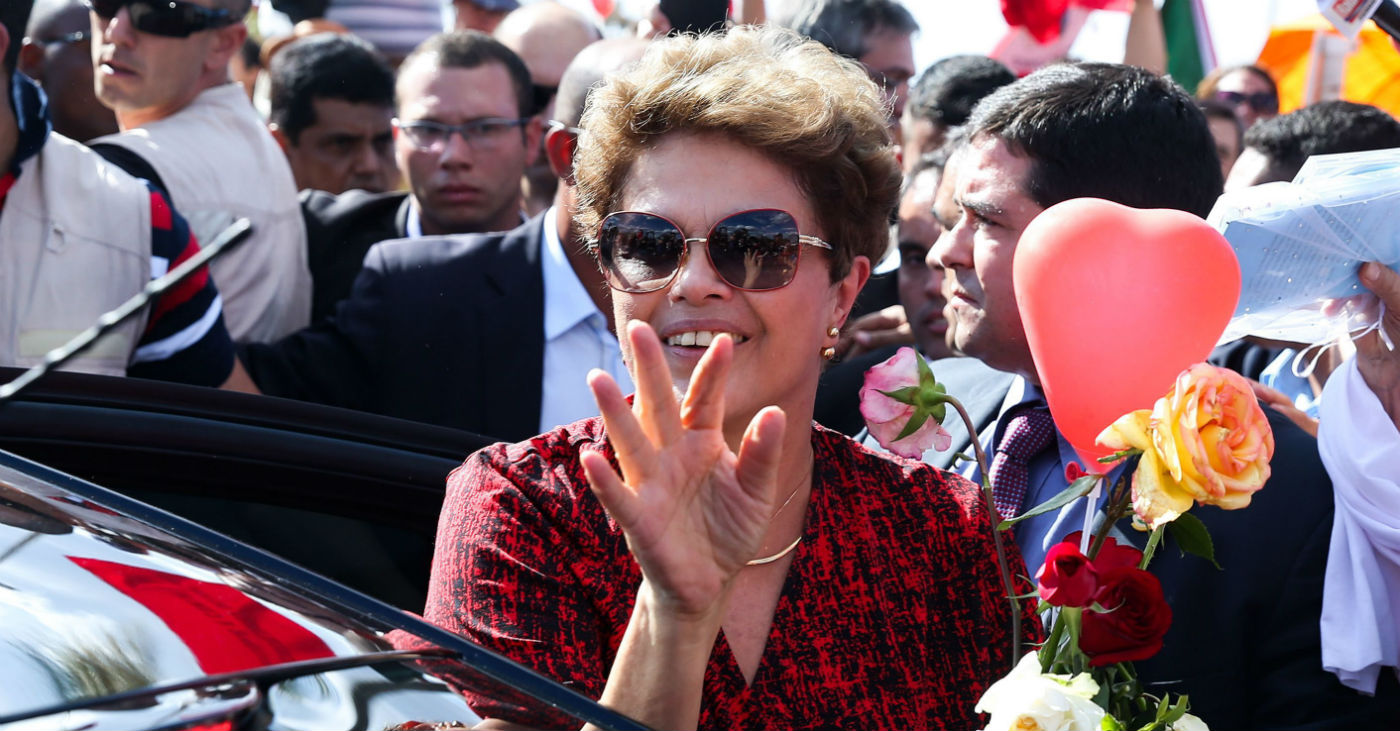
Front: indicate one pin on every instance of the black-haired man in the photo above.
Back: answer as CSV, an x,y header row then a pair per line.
x,y
465,135
1276,148
1245,642
943,98
332,108
877,33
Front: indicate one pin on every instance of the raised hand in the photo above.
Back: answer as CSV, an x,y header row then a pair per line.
x,y
1378,363
693,510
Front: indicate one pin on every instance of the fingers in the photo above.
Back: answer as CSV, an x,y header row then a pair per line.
x,y
1383,282
901,334
1270,396
635,451
617,498
704,398
854,338
760,451
655,405
1278,401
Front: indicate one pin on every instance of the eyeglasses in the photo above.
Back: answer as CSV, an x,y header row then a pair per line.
x,y
169,18
480,133
556,124
77,36
1260,101
752,250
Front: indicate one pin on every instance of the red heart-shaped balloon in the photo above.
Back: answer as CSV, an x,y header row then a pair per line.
x,y
1116,302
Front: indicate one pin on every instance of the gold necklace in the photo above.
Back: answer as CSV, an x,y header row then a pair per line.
x,y
770,559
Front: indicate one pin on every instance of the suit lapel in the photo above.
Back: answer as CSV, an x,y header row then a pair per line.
x,y
512,334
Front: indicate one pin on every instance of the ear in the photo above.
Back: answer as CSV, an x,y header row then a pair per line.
x,y
559,145
226,42
533,130
31,61
281,137
847,289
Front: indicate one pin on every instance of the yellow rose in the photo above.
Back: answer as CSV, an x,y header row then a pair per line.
x,y
1207,440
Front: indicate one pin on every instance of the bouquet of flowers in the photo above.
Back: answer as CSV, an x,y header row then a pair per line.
x,y
1205,442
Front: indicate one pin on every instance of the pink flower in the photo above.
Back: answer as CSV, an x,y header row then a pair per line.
x,y
903,406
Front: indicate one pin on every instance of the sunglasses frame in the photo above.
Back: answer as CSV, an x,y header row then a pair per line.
x,y
1235,98
686,241
191,18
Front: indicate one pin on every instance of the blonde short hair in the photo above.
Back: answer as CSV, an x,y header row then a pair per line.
x,y
766,88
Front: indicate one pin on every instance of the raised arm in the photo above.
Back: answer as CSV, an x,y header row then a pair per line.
x,y
694,512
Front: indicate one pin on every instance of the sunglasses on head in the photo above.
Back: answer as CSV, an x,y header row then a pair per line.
x,y
1260,101
170,18
752,250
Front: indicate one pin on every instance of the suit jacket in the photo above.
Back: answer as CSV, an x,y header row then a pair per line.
x,y
447,330
340,229
1245,642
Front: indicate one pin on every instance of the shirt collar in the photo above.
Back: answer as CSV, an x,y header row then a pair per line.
x,y
413,223
566,302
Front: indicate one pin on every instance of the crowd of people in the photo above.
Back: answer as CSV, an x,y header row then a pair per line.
x,y
499,228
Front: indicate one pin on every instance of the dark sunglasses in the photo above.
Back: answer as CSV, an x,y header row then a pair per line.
x,y
170,18
1261,101
752,250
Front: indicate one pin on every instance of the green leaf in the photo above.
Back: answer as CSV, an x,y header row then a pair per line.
x,y
1190,533
1077,489
1175,711
1109,723
906,395
925,373
1152,541
916,420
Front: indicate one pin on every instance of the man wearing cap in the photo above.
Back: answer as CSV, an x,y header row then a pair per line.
x,y
163,68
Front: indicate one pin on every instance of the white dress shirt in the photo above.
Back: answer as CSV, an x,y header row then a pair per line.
x,y
576,338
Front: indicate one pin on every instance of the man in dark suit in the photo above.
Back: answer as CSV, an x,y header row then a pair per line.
x,y
492,333
464,134
1245,642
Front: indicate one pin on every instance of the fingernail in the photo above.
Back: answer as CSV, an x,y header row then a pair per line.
x,y
863,338
1370,271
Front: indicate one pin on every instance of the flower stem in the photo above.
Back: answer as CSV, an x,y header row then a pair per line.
x,y
996,533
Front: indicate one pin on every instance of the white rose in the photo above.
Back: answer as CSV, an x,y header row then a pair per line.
x,y
1189,722
1026,700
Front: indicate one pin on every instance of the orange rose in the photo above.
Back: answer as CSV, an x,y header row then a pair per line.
x,y
1207,440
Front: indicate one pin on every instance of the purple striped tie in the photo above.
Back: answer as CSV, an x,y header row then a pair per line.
x,y
1027,434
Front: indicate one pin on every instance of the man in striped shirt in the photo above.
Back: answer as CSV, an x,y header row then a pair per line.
x,y
69,258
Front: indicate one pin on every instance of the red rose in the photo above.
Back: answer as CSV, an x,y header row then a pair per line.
x,y
1067,579
1137,619
1112,555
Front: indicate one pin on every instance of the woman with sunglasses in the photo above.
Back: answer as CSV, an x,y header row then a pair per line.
x,y
1249,90
706,556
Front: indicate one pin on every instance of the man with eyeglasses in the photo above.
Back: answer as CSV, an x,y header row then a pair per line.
x,y
463,137
162,66
78,237
546,36
877,33
55,54
493,333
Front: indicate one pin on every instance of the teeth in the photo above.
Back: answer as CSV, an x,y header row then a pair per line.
x,y
698,339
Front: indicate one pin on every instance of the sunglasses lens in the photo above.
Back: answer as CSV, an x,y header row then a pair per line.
x,y
640,252
105,8
756,249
